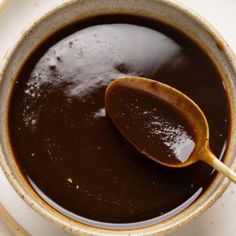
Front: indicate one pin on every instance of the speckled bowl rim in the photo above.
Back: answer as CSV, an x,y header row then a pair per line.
x,y
207,199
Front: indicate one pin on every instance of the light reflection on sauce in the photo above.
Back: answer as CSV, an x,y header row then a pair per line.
x,y
103,53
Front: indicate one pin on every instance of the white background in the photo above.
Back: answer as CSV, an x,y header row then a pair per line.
x,y
219,220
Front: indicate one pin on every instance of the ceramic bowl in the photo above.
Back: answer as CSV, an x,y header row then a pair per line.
x,y
170,13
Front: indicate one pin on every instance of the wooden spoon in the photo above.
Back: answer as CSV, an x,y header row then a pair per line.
x,y
122,98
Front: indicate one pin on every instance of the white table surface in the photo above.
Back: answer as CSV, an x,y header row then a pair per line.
x,y
219,220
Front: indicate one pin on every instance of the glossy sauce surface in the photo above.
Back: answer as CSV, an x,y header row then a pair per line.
x,y
68,148
154,127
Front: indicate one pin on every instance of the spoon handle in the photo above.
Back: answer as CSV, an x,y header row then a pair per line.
x,y
208,157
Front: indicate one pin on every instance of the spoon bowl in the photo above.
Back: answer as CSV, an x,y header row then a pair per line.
x,y
188,109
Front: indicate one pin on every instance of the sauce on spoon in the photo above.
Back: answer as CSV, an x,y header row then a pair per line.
x,y
152,125
156,118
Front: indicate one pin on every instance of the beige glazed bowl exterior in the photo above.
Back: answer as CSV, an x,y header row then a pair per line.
x,y
162,10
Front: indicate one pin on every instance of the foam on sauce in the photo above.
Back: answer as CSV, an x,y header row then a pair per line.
x,y
68,148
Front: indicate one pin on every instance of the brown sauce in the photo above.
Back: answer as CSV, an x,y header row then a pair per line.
x,y
67,147
153,126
